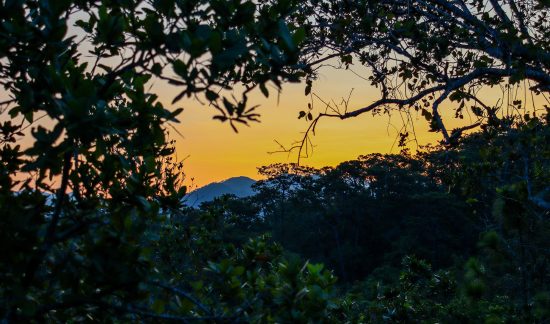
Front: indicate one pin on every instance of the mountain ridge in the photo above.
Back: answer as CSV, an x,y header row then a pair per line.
x,y
240,186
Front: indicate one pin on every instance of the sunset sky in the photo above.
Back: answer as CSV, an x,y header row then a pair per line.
x,y
216,153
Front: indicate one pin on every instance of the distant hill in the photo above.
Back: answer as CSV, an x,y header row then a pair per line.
x,y
238,186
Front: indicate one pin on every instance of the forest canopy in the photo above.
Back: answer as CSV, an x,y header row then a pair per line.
x,y
93,225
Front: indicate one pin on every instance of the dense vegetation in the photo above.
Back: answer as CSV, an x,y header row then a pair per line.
x,y
448,235
92,224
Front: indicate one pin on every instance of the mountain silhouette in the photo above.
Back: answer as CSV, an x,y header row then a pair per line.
x,y
238,186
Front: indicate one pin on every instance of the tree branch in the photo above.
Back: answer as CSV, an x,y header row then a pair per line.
x,y
521,21
185,295
49,238
500,13
386,101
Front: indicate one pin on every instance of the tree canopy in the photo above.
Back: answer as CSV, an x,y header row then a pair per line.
x,y
92,226
421,53
95,170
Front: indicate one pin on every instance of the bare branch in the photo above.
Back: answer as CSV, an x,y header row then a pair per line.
x,y
386,101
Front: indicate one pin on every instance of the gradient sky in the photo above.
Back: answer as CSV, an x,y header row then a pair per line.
x,y
214,152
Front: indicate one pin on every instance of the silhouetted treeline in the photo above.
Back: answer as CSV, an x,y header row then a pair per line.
x,y
457,233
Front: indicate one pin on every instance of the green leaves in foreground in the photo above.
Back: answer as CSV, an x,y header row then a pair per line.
x,y
86,164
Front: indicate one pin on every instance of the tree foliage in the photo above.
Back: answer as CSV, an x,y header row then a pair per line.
x,y
86,165
422,53
92,224
448,235
364,213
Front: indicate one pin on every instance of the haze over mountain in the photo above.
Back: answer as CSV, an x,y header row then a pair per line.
x,y
238,186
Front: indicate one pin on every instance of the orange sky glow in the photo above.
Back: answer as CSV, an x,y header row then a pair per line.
x,y
214,152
